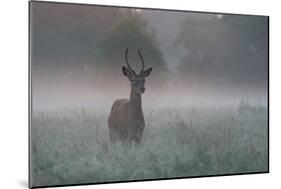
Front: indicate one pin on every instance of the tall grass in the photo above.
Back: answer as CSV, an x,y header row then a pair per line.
x,y
74,147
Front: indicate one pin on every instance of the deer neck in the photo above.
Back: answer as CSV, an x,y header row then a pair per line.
x,y
135,103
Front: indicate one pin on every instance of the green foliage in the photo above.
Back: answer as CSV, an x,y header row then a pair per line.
x,y
130,32
74,147
224,48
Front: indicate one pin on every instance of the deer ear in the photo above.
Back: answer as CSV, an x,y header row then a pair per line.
x,y
147,72
126,72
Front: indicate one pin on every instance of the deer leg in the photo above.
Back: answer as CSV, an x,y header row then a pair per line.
x,y
138,138
112,136
139,135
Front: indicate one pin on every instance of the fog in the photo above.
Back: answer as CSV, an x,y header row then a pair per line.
x,y
205,103
78,51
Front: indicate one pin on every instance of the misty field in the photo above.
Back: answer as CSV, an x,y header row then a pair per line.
x,y
73,146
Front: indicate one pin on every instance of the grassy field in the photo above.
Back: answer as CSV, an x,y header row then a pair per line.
x,y
73,146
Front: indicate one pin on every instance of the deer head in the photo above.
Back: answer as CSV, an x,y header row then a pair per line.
x,y
137,80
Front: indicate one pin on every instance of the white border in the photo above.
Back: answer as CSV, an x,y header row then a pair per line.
x,y
14,92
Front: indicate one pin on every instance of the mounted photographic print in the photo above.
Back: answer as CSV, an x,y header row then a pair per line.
x,y
120,94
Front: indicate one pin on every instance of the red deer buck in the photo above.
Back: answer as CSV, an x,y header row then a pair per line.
x,y
126,121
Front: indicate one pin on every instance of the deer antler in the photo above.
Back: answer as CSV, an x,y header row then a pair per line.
x,y
142,68
126,56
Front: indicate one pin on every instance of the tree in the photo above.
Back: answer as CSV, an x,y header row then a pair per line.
x,y
130,32
65,34
224,49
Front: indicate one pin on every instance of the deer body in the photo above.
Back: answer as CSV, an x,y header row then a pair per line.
x,y
126,121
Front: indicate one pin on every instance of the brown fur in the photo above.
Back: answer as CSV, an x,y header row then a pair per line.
x,y
126,120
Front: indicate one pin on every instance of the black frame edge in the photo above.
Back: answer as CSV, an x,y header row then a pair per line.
x,y
146,8
268,93
148,180
29,97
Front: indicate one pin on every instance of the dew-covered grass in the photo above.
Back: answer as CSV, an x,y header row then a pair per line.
x,y
73,146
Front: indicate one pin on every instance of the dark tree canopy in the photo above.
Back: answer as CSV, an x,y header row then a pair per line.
x,y
130,32
68,33
224,49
